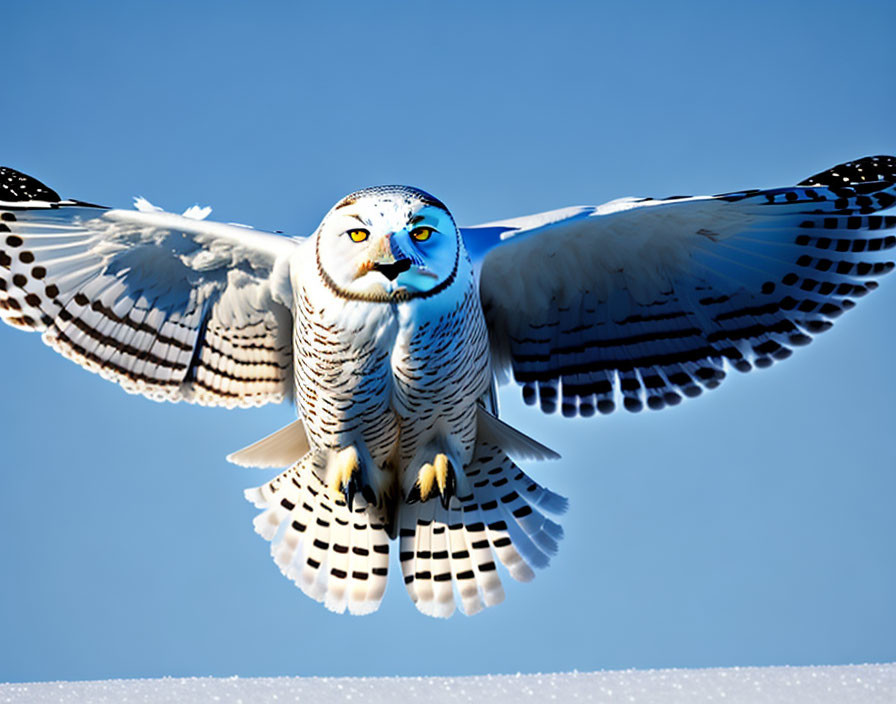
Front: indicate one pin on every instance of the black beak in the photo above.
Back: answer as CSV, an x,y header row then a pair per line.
x,y
391,271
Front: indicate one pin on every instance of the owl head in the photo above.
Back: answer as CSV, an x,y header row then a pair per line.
x,y
388,244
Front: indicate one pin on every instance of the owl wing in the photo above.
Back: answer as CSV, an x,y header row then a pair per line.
x,y
168,306
653,299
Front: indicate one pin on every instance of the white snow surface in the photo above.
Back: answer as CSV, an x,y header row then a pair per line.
x,y
855,684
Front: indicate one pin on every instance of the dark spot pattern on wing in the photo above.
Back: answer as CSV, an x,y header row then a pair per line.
x,y
821,245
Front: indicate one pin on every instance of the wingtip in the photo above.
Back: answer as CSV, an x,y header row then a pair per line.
x,y
18,187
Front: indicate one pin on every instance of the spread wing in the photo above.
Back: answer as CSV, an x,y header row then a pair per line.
x,y
650,300
171,307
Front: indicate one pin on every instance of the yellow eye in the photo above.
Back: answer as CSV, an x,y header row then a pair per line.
x,y
358,235
421,234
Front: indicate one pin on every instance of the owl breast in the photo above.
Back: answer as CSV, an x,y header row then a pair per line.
x,y
440,369
394,375
343,376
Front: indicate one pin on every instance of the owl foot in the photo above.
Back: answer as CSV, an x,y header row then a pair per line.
x,y
348,474
440,473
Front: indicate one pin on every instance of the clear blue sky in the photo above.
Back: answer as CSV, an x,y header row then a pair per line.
x,y
752,526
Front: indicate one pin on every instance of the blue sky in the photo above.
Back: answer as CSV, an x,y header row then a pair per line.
x,y
752,526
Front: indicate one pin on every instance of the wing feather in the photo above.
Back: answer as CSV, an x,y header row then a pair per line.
x,y
168,306
649,301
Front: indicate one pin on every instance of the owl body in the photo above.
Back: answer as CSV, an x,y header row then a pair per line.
x,y
440,364
343,378
397,380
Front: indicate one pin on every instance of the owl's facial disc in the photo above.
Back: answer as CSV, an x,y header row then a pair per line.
x,y
389,243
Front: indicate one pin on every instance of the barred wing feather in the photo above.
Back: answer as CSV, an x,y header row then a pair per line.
x,y
171,307
649,301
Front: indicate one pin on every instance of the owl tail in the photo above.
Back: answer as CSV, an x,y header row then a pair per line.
x,y
336,555
448,553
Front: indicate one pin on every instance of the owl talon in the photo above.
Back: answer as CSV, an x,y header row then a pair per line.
x,y
450,487
357,487
438,474
348,475
369,494
348,491
413,496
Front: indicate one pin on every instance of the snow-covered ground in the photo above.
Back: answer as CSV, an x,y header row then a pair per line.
x,y
852,684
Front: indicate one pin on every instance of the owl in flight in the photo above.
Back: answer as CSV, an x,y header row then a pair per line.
x,y
389,327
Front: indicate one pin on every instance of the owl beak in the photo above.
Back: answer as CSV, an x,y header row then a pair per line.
x,y
392,269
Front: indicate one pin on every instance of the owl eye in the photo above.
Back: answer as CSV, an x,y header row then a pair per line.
x,y
421,234
358,235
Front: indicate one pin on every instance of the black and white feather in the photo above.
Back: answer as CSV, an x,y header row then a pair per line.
x,y
168,306
649,301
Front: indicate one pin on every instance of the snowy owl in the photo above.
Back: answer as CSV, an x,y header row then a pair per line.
x,y
389,327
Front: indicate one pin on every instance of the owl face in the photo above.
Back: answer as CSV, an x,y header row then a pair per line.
x,y
388,243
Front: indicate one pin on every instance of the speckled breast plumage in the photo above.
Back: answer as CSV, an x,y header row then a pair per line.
x,y
391,374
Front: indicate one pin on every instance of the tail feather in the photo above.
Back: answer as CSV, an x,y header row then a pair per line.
x,y
334,555
423,559
448,555
540,497
520,542
462,571
361,564
505,538
541,532
506,548
442,580
507,496
486,576
377,565
338,560
308,573
407,552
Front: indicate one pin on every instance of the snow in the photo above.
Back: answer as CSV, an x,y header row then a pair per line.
x,y
856,684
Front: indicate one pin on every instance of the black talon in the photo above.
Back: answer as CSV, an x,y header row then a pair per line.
x,y
450,487
357,486
349,492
